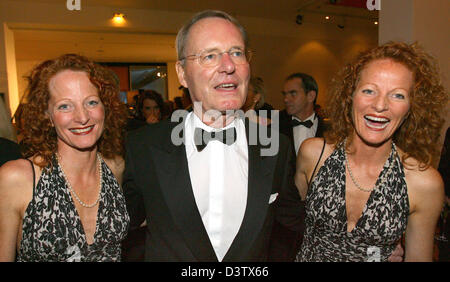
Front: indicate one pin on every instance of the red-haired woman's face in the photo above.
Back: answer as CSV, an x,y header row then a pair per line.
x,y
381,100
75,110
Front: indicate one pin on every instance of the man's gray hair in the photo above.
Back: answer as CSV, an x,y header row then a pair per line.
x,y
183,33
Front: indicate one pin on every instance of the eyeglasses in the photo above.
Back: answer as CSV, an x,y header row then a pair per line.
x,y
211,58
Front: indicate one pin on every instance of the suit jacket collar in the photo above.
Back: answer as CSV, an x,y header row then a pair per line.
x,y
176,186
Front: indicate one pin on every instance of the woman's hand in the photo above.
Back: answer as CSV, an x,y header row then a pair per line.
x,y
152,119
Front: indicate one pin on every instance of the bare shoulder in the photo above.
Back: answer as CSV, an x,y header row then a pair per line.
x,y
424,181
117,166
16,171
16,181
311,149
424,186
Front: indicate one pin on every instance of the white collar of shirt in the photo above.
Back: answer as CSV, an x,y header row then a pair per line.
x,y
219,177
301,133
311,118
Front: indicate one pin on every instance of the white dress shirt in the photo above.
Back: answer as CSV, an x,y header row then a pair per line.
x,y
219,177
301,133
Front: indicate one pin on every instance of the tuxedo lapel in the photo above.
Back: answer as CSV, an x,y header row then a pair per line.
x,y
286,125
320,127
175,183
259,190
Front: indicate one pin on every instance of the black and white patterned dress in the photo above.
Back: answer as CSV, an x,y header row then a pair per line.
x,y
52,229
382,223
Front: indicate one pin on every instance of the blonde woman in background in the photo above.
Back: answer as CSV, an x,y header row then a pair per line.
x,y
254,102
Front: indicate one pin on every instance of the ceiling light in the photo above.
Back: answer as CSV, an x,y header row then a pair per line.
x,y
327,17
375,22
118,18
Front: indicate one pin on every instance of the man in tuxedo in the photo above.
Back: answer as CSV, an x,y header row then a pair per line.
x,y
298,121
206,191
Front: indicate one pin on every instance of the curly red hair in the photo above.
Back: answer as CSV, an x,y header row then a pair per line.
x,y
39,136
419,133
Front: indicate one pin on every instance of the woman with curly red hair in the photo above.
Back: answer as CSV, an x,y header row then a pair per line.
x,y
371,181
64,202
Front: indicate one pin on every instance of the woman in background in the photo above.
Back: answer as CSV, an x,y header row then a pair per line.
x,y
255,102
149,109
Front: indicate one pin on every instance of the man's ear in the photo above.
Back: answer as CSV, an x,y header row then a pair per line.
x,y
311,96
180,73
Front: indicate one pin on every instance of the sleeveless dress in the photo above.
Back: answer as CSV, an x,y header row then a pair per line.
x,y
376,233
52,229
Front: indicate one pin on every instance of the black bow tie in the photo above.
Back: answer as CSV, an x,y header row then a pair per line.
x,y
308,123
202,137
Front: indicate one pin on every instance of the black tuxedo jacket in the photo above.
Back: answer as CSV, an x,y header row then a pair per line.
x,y
157,188
9,151
286,242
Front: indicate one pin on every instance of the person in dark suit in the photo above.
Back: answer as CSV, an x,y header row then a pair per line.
x,y
209,199
9,151
298,121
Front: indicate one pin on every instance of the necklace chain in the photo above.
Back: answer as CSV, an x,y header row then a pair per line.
x,y
69,186
383,177
354,180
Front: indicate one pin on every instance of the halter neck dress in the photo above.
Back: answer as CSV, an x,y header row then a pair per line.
x,y
376,233
52,229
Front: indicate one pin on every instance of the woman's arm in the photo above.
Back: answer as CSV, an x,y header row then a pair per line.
x,y
15,177
426,194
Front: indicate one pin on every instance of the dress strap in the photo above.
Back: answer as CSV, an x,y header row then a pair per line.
x,y
320,157
34,175
33,253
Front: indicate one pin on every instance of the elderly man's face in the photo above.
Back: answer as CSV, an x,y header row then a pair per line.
x,y
222,87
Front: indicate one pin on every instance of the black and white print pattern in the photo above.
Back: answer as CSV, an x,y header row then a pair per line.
x,y
382,223
52,229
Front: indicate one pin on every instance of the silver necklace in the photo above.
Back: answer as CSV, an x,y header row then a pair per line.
x,y
383,177
100,172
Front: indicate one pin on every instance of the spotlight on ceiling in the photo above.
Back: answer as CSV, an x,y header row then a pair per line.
x,y
118,18
299,19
